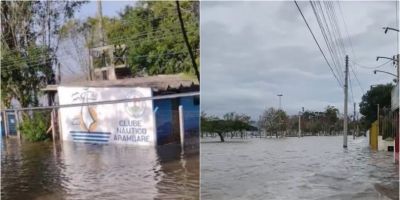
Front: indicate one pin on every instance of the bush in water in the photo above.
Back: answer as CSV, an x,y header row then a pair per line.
x,y
34,127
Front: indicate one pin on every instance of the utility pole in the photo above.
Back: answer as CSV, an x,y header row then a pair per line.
x,y
299,124
354,122
280,100
345,103
59,73
398,66
185,38
377,117
100,13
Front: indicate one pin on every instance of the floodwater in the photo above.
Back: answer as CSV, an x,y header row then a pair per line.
x,y
87,171
296,168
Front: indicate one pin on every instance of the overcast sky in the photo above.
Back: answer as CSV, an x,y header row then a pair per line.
x,y
110,8
252,51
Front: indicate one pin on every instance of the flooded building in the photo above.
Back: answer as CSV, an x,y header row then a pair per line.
x,y
153,121
124,118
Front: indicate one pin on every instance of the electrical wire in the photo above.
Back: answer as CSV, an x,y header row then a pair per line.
x,y
371,67
358,81
351,89
116,40
326,36
139,56
66,56
319,47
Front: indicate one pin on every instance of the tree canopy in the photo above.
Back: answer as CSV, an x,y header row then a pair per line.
x,y
151,32
379,94
273,121
231,123
29,41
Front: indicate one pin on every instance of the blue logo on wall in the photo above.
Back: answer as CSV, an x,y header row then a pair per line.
x,y
90,137
87,121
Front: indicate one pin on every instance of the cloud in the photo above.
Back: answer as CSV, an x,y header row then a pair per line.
x,y
252,51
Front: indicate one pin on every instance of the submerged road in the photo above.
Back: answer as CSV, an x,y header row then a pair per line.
x,y
296,168
43,171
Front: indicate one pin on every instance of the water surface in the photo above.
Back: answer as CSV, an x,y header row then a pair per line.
x,y
296,168
86,171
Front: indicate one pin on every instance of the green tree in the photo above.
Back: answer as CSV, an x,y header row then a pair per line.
x,y
29,41
379,94
231,123
274,121
151,31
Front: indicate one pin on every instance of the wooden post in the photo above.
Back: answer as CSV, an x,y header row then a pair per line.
x,y
17,124
181,126
53,131
6,128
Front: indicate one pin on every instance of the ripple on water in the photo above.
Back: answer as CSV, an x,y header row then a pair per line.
x,y
297,169
80,171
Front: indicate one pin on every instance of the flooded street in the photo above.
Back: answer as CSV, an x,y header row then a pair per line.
x,y
86,171
296,168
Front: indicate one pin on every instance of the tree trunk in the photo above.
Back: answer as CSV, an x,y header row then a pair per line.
x,y
221,137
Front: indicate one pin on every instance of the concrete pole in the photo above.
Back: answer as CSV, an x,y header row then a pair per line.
x,y
59,73
53,131
6,127
299,125
345,103
354,121
377,117
181,126
100,15
280,101
17,124
398,65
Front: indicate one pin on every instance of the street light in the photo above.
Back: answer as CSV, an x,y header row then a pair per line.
x,y
393,59
385,72
394,80
389,28
280,100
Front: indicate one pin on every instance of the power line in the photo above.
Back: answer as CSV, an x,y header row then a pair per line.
x,y
347,32
337,27
116,40
308,26
353,53
335,58
154,38
332,33
371,67
351,89
139,56
358,81
351,45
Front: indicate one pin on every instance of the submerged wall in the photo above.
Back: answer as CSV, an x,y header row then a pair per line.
x,y
167,118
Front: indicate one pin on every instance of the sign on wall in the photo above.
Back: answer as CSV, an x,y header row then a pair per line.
x,y
124,123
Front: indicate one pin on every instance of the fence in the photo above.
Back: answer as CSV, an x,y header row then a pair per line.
x,y
388,124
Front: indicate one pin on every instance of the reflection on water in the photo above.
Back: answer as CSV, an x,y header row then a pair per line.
x,y
85,171
296,168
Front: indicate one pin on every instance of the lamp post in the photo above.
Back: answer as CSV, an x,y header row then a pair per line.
x,y
299,134
395,60
395,80
280,100
389,28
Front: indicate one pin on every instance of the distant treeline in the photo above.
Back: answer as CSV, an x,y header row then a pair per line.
x,y
275,122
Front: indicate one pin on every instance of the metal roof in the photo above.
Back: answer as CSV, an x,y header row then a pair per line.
x,y
158,83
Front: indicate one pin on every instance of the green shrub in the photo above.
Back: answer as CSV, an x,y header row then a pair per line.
x,y
34,127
